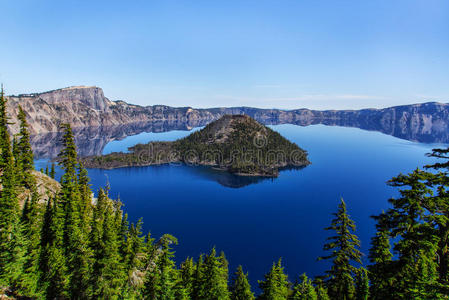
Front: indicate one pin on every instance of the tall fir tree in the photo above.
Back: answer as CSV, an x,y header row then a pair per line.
x,y
304,289
381,270
187,273
54,278
10,229
215,280
52,171
198,279
361,284
32,221
275,286
344,252
321,291
24,147
439,209
161,276
240,287
72,198
134,258
411,222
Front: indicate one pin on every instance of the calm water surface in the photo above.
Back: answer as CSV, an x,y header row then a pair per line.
x,y
257,221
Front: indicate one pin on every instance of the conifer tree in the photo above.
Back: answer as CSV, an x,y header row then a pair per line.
x,y
24,156
344,251
439,210
76,210
161,277
197,286
106,273
52,171
412,222
134,257
304,289
32,221
321,291
215,280
5,140
275,286
381,270
240,287
187,273
361,284
52,262
10,229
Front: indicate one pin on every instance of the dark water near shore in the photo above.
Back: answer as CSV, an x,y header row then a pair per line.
x,y
256,221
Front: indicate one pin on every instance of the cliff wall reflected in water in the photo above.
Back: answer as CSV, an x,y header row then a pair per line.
x,y
423,128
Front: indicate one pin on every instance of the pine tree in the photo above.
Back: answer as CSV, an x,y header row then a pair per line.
x,y
198,279
134,259
412,221
75,201
361,284
52,171
10,229
380,270
106,273
215,280
304,289
187,273
52,261
5,140
161,277
344,251
24,156
439,209
32,221
275,286
321,291
240,287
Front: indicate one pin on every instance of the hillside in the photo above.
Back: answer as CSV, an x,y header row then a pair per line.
x,y
234,143
47,188
83,107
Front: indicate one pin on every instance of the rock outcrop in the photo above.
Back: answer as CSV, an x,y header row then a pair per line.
x,y
85,107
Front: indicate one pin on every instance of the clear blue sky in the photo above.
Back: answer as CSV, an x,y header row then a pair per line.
x,y
280,53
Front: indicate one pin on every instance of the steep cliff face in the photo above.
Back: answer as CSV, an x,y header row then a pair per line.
x,y
88,107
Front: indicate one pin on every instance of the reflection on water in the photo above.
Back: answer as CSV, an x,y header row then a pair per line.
x,y
225,178
93,140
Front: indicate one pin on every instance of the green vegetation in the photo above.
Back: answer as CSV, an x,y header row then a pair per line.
x,y
74,246
235,143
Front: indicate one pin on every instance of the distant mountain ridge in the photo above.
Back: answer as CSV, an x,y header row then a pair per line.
x,y
86,106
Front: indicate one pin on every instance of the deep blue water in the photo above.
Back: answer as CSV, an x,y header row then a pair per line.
x,y
264,220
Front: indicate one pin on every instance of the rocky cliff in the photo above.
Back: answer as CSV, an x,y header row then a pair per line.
x,y
84,107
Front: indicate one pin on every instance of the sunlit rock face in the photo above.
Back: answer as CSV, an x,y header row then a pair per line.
x,y
85,107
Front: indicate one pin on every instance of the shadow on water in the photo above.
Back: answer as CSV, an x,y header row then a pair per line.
x,y
226,179
230,180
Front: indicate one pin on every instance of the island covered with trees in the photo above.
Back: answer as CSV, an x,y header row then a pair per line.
x,y
234,143
74,246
